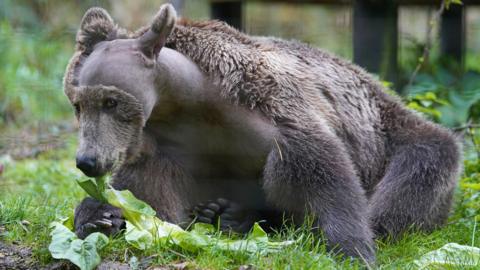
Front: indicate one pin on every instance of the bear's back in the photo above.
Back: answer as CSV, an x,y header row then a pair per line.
x,y
348,98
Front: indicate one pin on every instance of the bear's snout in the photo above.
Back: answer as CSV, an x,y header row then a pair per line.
x,y
88,165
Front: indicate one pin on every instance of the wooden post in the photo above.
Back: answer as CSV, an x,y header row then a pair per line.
x,y
375,37
453,33
228,11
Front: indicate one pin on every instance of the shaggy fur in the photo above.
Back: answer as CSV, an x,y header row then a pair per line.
x,y
340,148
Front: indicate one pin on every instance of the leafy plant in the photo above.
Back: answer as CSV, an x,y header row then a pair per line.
x,y
453,101
450,255
143,229
427,104
83,253
470,188
31,76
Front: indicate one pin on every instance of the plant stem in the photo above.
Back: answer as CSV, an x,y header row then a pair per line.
x,y
428,44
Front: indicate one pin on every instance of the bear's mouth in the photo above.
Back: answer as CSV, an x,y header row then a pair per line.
x,y
108,168
98,171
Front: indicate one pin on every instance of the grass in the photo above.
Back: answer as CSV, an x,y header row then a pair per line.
x,y
33,64
38,191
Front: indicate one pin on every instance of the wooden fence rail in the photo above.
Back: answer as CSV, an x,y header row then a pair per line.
x,y
375,28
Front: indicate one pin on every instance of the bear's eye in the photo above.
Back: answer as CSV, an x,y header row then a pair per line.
x,y
77,108
109,103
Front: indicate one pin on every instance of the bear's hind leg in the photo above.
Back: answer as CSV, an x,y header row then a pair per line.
x,y
417,187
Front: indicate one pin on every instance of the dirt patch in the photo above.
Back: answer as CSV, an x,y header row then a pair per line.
x,y
16,257
33,141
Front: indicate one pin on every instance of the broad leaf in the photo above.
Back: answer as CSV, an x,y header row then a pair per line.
x,y
137,212
90,186
83,253
450,255
138,238
144,228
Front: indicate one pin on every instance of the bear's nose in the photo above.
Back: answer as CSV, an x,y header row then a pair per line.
x,y
88,165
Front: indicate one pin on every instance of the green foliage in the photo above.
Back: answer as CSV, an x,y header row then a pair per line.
x,y
450,2
451,255
446,98
144,228
14,211
93,189
469,211
31,76
427,103
34,194
83,253
135,211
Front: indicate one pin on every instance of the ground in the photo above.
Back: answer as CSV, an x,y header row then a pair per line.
x,y
38,187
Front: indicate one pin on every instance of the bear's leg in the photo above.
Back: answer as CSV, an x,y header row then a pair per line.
x,y
417,187
309,172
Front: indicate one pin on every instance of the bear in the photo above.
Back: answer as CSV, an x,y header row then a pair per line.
x,y
242,128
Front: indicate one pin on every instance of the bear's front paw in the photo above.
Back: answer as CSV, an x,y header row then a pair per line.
x,y
94,216
228,215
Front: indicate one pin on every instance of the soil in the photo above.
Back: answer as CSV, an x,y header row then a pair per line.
x,y
16,257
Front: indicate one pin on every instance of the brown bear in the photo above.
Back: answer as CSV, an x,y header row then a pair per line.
x,y
186,112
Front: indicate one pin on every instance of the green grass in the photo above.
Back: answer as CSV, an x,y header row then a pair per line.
x,y
42,190
31,73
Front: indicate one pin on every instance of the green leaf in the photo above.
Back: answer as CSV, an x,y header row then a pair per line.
x,y
83,253
67,221
102,183
144,228
258,234
138,238
133,209
90,186
474,186
127,201
165,229
430,96
203,228
61,239
450,255
192,241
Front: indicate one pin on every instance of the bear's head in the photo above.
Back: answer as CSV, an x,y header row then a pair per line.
x,y
111,83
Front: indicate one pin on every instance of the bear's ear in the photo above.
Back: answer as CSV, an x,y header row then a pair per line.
x,y
152,41
96,26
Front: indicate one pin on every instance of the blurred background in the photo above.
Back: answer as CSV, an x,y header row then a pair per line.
x,y
423,50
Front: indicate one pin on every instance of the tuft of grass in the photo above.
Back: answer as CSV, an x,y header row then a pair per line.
x,y
14,210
